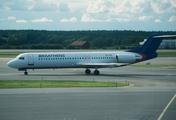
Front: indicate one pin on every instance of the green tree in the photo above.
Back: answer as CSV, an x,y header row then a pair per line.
x,y
108,42
2,41
98,42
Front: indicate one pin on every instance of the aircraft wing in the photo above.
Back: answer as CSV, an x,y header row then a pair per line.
x,y
101,65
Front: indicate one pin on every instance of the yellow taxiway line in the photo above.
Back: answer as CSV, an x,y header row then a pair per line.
x,y
166,108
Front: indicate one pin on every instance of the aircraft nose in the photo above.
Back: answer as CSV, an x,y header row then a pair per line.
x,y
11,64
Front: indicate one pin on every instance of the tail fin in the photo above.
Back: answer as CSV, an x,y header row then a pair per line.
x,y
151,45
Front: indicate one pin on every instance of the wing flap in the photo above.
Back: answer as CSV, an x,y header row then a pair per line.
x,y
102,64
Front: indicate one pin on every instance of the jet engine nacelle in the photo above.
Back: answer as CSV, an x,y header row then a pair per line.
x,y
127,58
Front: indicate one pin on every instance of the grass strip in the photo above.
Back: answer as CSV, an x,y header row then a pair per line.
x,y
55,84
9,54
166,54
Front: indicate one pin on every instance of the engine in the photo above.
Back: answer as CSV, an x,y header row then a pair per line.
x,y
127,58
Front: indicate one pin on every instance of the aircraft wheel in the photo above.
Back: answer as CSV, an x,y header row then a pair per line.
x,y
96,72
87,71
26,73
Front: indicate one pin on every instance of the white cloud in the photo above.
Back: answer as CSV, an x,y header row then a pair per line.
x,y
121,17
88,18
6,8
73,19
145,18
11,18
42,20
40,5
162,6
65,20
133,6
22,5
21,21
118,19
172,18
25,5
173,2
99,6
63,7
157,20
123,11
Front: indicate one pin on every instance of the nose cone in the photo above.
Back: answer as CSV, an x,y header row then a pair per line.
x,y
12,64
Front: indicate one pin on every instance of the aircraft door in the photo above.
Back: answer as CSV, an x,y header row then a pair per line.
x,y
117,58
30,59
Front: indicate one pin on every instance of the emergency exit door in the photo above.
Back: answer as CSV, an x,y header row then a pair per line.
x,y
30,59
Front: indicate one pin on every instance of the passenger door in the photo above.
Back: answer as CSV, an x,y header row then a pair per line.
x,y
30,59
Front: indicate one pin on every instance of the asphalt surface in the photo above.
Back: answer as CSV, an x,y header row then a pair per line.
x,y
152,92
134,103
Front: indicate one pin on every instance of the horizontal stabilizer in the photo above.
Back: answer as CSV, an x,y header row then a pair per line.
x,y
165,37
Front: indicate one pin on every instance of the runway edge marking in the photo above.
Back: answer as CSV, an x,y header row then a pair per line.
x,y
166,108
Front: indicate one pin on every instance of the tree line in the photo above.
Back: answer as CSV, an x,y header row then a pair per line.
x,y
43,39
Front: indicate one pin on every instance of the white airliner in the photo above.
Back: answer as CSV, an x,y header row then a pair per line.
x,y
89,59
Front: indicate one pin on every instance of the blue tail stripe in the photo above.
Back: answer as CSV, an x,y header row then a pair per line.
x,y
150,46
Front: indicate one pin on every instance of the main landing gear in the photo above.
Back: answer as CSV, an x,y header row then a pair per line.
x,y
87,71
96,72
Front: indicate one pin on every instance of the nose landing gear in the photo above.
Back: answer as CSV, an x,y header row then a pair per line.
x,y
26,73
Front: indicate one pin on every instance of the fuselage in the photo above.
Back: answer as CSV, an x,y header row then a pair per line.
x,y
73,60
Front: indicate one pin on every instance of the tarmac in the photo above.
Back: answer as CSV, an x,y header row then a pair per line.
x,y
151,97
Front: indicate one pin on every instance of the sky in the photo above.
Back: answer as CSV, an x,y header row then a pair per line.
x,y
138,15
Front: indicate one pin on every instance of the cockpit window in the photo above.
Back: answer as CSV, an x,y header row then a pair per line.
x,y
21,58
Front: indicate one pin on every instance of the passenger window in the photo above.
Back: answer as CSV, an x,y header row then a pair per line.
x,y
21,58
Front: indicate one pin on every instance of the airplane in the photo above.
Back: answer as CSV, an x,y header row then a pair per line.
x,y
89,60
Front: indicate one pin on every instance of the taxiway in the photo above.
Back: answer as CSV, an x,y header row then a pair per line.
x,y
153,89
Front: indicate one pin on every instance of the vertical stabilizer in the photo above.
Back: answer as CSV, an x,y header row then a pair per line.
x,y
151,45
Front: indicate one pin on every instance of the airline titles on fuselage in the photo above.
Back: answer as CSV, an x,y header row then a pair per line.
x,y
51,55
